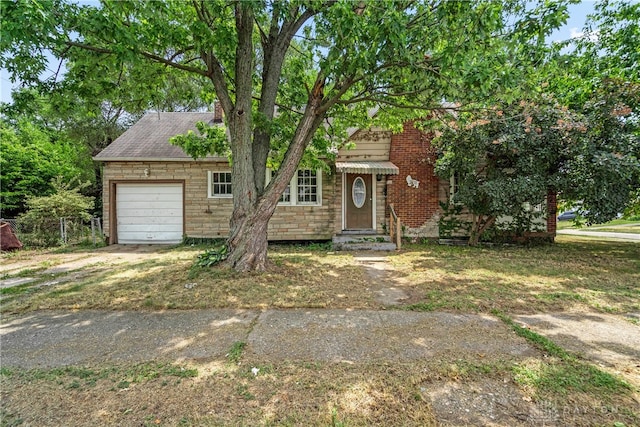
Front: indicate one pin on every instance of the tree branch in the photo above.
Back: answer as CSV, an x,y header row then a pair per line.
x,y
148,55
217,76
169,63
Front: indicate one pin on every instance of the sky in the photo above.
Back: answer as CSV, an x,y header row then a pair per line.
x,y
577,17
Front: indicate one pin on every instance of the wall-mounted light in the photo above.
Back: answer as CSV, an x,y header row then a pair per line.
x,y
379,177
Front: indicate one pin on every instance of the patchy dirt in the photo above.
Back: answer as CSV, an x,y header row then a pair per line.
x,y
385,283
25,267
53,263
610,342
21,262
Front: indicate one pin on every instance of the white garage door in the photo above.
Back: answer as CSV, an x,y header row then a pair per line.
x,y
149,213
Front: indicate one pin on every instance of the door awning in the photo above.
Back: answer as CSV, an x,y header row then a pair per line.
x,y
383,168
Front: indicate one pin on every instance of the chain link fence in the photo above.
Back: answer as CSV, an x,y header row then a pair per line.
x,y
58,231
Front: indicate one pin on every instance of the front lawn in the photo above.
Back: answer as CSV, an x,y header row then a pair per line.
x,y
574,273
551,386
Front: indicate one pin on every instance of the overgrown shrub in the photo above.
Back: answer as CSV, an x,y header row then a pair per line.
x,y
42,218
449,224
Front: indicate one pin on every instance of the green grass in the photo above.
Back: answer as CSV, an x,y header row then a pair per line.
x,y
574,273
538,340
632,230
17,290
72,377
616,225
564,372
235,352
300,393
8,419
299,276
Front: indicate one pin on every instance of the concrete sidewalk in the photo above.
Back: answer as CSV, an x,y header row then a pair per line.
x,y
52,339
604,234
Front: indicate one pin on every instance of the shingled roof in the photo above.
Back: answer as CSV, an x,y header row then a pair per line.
x,y
148,139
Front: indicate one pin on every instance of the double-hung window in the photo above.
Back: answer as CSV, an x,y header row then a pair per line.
x,y
307,184
304,189
454,185
220,184
285,198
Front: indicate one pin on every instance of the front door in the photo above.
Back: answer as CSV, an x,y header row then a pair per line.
x,y
358,198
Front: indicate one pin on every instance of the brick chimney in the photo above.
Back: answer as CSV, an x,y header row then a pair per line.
x,y
218,113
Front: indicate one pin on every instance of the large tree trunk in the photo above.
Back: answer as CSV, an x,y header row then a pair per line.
x,y
252,211
248,242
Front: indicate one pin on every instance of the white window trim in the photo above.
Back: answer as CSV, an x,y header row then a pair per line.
x,y
210,194
293,186
268,180
453,185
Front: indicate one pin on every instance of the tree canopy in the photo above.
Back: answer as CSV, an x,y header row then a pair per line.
x,y
577,134
31,158
291,76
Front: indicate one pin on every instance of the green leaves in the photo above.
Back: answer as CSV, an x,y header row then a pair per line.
x,y
31,158
212,140
66,201
509,156
211,257
405,54
326,65
29,30
606,173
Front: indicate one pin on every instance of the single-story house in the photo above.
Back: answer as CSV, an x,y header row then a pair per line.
x,y
153,192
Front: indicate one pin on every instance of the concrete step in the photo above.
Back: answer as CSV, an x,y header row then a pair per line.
x,y
355,242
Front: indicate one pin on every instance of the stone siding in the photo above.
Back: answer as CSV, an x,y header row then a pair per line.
x,y
206,217
418,208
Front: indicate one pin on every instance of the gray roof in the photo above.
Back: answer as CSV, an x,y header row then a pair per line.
x,y
148,139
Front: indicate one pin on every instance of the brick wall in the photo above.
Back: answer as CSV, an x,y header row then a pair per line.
x,y
417,208
209,217
552,210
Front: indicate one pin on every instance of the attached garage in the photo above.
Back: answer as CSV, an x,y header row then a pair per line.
x,y
149,213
